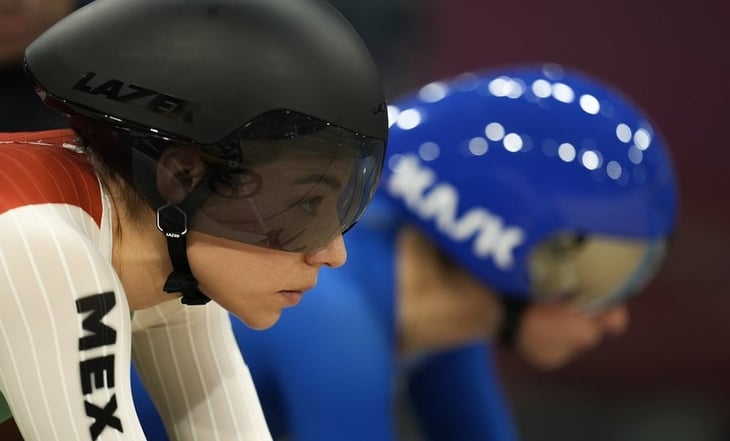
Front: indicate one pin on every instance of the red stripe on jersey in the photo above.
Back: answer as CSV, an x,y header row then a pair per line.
x,y
35,168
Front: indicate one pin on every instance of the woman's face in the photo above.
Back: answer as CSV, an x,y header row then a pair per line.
x,y
237,237
256,283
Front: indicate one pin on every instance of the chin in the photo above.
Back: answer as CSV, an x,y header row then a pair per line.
x,y
260,321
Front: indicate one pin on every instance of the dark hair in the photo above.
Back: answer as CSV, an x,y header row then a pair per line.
x,y
120,192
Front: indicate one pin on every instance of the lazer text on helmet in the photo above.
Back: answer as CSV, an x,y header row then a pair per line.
x,y
417,185
152,100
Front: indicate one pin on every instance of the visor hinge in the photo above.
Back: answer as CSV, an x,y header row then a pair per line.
x,y
172,221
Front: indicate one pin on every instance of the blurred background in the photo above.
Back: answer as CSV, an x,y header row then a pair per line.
x,y
668,378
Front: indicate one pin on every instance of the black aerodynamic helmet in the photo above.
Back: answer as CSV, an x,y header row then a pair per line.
x,y
280,98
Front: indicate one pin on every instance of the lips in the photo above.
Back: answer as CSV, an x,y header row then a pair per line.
x,y
296,290
292,297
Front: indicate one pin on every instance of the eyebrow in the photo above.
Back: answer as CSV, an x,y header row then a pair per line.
x,y
330,181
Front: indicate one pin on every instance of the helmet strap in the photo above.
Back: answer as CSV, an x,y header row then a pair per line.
x,y
172,221
513,308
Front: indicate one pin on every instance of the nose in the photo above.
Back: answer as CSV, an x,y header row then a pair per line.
x,y
333,254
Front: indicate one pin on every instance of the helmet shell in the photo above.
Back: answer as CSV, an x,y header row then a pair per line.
x,y
201,69
490,164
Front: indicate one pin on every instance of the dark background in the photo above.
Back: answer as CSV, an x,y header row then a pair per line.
x,y
668,378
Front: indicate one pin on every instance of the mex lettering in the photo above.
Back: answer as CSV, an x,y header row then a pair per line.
x,y
98,372
152,100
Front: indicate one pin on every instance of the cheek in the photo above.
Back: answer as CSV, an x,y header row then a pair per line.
x,y
211,266
231,285
237,281
221,272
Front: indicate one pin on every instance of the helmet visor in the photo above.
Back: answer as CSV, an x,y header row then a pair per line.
x,y
284,181
292,188
593,272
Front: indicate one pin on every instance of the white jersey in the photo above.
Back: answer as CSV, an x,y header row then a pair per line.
x,y
66,338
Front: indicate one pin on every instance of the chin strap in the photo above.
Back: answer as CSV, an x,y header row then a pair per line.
x,y
173,222
512,310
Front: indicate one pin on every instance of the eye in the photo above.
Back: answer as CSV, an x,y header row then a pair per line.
x,y
237,184
311,204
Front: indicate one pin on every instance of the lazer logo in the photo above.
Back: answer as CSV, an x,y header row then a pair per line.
x,y
417,186
98,372
156,102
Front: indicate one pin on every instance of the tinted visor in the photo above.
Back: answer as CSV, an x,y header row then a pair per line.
x,y
286,182
593,272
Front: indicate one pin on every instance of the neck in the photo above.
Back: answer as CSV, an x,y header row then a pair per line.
x,y
139,256
439,307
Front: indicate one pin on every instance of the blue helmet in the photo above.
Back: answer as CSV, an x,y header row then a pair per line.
x,y
493,165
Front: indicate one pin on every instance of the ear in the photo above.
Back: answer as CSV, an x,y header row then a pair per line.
x,y
179,169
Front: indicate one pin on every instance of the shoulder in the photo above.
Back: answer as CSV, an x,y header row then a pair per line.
x,y
46,168
47,136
